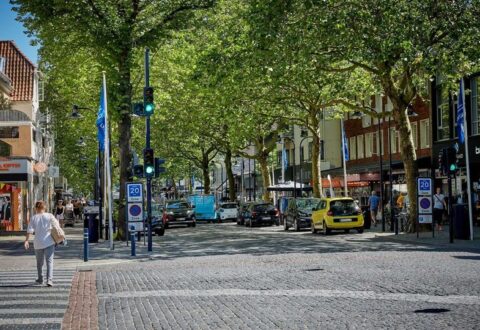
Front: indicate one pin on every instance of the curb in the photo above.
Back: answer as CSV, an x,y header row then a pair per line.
x,y
447,246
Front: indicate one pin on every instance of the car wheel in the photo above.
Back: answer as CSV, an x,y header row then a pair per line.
x,y
313,229
166,226
194,224
360,230
160,232
325,229
296,225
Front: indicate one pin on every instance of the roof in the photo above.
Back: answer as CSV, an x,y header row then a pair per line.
x,y
19,69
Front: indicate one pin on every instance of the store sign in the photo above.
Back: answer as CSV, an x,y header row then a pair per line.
x,y
40,167
18,166
54,171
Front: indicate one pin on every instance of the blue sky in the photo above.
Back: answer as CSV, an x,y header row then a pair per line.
x,y
10,29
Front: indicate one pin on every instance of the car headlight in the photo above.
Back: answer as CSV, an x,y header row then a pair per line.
x,y
169,213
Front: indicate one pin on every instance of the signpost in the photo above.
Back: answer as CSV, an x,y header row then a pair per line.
x,y
135,219
425,203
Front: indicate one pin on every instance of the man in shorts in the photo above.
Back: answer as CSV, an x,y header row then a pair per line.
x,y
373,204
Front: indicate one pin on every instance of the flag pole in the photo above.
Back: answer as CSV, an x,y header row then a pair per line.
x,y
467,159
344,158
107,163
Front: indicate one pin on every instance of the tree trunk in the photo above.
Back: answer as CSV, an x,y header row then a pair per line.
x,y
409,158
206,174
124,127
263,161
231,179
315,169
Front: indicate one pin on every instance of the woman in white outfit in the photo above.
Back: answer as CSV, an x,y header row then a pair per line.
x,y
43,243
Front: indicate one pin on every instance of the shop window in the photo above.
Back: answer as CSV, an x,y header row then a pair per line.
x,y
353,148
360,147
475,87
5,149
443,114
9,132
424,134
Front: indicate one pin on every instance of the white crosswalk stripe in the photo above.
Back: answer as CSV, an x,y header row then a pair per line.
x,y
25,303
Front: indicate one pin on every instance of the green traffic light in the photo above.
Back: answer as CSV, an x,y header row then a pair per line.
x,y
149,170
453,167
149,108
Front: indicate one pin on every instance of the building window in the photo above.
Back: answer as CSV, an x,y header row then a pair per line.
x,y
414,135
369,138
5,149
9,132
310,148
353,148
302,154
443,114
360,149
393,140
366,121
475,87
424,134
3,60
41,90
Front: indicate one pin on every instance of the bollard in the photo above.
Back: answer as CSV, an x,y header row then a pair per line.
x,y
85,244
132,238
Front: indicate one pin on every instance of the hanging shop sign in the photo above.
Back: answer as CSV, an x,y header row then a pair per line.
x,y
17,166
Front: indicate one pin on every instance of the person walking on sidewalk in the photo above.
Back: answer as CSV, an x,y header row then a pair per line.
x,y
439,208
43,243
373,203
60,213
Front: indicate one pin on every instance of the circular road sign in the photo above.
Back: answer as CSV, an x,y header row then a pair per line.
x,y
425,203
135,210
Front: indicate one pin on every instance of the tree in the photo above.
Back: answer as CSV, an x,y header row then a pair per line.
x,y
116,30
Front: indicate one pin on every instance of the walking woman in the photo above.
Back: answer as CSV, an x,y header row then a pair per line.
x,y
60,213
40,225
439,208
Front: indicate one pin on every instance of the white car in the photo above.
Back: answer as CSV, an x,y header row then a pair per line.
x,y
227,211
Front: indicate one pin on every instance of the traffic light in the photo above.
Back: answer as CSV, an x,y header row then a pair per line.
x,y
138,171
148,105
452,161
148,163
138,109
159,169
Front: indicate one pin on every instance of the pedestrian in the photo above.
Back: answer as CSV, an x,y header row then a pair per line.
x,y
439,208
60,212
40,225
373,204
6,209
400,201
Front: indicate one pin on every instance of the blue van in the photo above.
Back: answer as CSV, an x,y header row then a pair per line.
x,y
204,207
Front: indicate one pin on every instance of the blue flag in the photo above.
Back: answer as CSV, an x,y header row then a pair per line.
x,y
460,115
284,157
345,144
101,121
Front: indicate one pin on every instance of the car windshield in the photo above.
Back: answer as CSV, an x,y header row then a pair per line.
x,y
343,207
157,210
229,206
177,205
307,204
263,207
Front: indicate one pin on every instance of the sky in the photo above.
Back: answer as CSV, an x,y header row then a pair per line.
x,y
10,29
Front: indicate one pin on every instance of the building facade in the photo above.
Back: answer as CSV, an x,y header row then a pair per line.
x,y
26,146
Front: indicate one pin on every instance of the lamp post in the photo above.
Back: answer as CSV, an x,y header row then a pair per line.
x,y
301,162
293,165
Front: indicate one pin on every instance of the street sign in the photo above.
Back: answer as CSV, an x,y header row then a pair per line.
x,y
138,226
425,218
134,192
424,186
135,212
425,205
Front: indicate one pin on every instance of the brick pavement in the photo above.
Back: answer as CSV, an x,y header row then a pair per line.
x,y
229,277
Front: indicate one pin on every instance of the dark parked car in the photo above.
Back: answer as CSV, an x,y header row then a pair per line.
x,y
178,213
241,213
298,213
261,214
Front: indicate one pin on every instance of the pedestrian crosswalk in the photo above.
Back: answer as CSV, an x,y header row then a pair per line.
x,y
27,305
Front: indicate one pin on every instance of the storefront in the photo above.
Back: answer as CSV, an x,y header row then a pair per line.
x,y
15,190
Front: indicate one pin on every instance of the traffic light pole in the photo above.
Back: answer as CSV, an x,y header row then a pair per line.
x,y
147,145
449,205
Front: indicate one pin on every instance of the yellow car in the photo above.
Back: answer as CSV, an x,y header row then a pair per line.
x,y
340,213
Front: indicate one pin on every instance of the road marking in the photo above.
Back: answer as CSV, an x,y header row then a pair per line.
x,y
17,321
411,297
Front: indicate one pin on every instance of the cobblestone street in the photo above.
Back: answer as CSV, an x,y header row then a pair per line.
x,y
227,276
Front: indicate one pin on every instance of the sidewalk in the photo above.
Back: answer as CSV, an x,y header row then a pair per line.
x,y
441,239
